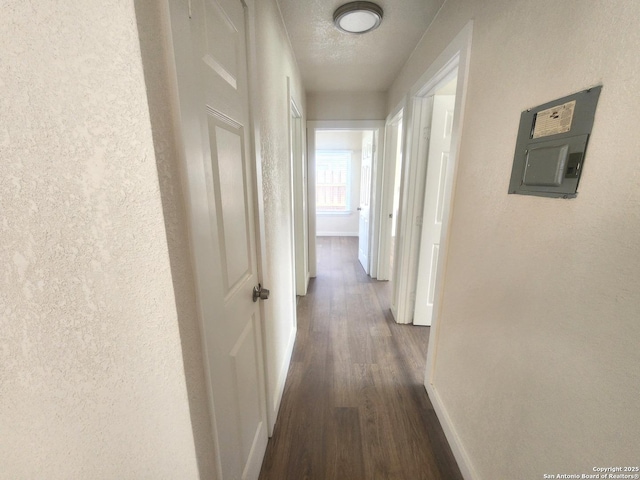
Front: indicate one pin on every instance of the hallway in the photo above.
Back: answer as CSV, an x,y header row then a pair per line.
x,y
354,405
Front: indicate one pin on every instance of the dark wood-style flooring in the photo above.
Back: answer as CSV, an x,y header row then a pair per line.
x,y
354,405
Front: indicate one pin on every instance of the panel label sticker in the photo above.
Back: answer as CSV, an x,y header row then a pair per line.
x,y
554,120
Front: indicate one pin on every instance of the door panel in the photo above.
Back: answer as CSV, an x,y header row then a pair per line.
x,y
390,196
222,43
210,53
434,202
365,199
229,184
444,160
245,366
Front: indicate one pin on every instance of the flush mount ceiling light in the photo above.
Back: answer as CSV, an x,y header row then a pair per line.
x,y
358,17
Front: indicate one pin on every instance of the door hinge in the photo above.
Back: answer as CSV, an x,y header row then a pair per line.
x,y
419,220
190,14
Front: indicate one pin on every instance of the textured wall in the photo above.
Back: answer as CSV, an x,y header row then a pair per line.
x,y
275,65
346,106
91,374
538,352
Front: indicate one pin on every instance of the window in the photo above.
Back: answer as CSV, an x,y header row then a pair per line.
x,y
333,180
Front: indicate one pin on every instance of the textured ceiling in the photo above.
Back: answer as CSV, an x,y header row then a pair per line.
x,y
331,60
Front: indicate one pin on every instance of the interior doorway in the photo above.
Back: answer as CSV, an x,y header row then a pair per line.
x,y
343,176
437,196
444,80
299,203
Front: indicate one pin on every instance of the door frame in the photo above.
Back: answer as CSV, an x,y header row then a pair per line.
x,y
391,143
374,224
300,214
424,269
418,114
365,196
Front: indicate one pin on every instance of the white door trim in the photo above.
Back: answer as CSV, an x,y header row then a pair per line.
x,y
414,174
459,49
364,202
300,214
436,194
413,185
387,189
410,219
311,198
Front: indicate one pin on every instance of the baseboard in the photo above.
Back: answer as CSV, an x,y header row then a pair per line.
x,y
336,234
460,454
282,378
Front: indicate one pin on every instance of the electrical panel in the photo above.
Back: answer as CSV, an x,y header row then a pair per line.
x,y
551,145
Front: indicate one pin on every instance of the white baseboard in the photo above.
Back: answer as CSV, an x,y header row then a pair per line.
x,y
336,234
282,378
465,465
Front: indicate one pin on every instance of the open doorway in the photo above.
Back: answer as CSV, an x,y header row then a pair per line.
x,y
437,196
338,173
343,173
433,119
343,186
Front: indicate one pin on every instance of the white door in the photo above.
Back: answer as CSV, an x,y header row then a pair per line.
x,y
299,202
390,196
365,199
211,64
435,197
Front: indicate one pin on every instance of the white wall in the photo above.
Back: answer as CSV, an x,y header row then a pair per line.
x,y
342,224
93,380
275,64
346,105
537,353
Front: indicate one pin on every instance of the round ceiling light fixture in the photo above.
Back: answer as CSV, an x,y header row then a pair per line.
x,y
358,17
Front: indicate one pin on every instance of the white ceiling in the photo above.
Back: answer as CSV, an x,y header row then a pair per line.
x,y
331,60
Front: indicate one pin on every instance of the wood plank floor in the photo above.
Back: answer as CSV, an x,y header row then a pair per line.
x,y
354,405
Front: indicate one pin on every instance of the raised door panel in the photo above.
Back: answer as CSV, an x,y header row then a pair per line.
x,y
222,43
223,57
229,185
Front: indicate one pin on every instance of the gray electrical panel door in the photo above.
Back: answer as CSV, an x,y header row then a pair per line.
x,y
551,145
